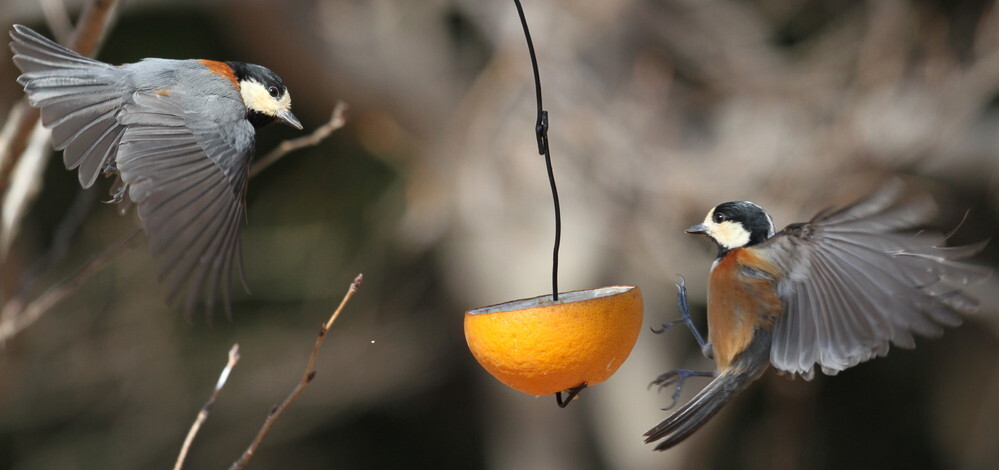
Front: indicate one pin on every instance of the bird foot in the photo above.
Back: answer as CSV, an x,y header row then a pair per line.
x,y
681,300
677,377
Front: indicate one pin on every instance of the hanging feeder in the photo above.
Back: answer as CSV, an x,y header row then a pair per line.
x,y
558,343
543,347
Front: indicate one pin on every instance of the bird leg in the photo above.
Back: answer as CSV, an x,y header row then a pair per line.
x,y
681,298
677,377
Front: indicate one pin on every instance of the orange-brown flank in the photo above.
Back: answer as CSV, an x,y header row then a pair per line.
x,y
737,304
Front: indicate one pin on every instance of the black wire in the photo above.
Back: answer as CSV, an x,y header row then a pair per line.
x,y
541,130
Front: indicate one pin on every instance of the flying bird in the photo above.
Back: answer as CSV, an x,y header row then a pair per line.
x,y
177,135
829,293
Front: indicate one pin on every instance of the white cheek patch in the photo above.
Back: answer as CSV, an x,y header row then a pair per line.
x,y
728,234
256,98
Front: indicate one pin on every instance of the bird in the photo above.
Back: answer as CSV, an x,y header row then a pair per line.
x,y
826,294
177,136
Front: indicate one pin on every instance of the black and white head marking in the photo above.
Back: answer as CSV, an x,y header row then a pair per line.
x,y
736,224
264,94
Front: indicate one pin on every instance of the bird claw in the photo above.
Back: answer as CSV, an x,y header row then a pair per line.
x,y
118,191
676,377
681,300
667,325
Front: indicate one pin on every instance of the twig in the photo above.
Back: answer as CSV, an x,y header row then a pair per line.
x,y
310,373
63,234
15,317
17,131
337,120
92,26
203,414
58,19
17,314
25,184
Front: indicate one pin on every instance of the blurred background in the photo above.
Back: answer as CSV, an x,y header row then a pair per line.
x,y
434,190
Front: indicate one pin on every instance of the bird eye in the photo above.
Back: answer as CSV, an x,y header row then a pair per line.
x,y
273,90
719,217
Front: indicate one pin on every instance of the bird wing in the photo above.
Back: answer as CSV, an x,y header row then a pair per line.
x,y
187,174
854,283
79,100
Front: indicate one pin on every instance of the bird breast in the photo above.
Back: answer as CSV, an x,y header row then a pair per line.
x,y
742,298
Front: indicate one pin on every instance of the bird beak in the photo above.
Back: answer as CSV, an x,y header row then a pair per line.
x,y
289,119
699,228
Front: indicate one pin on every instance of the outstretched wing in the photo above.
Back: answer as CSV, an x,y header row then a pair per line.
x,y
855,284
188,174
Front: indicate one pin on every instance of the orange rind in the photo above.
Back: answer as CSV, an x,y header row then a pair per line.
x,y
542,347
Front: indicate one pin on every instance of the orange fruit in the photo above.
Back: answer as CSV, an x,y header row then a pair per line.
x,y
541,347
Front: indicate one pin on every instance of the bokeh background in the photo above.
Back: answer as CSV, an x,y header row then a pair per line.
x,y
434,190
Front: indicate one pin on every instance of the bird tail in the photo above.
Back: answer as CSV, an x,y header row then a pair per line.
x,y
747,367
79,100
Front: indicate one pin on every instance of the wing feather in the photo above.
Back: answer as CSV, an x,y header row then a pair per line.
x,y
208,278
178,174
856,284
200,254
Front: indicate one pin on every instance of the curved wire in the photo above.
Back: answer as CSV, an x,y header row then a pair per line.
x,y
541,130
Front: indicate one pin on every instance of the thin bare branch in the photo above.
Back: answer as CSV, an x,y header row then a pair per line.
x,y
58,19
25,183
337,120
16,316
16,131
92,26
203,414
310,373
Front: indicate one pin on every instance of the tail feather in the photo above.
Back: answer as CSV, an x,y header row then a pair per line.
x,y
689,418
747,366
76,97
98,142
34,52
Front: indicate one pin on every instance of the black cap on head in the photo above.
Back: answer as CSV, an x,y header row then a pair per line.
x,y
260,74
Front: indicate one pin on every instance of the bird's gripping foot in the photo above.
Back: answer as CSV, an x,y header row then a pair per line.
x,y
677,377
681,300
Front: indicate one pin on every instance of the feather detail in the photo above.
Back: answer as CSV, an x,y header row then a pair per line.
x,y
856,284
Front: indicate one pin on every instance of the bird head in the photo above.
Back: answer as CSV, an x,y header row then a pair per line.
x,y
735,224
264,94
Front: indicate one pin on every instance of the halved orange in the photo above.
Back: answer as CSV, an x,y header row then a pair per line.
x,y
542,347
